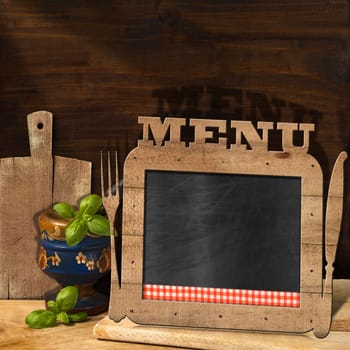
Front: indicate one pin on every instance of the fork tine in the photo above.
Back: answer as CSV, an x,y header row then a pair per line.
x,y
116,175
109,175
102,181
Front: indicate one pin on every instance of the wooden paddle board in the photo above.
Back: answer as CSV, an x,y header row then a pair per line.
x,y
29,185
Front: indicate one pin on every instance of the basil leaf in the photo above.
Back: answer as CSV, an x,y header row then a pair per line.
x,y
90,204
63,317
75,231
87,217
99,225
41,319
65,210
51,304
66,298
78,317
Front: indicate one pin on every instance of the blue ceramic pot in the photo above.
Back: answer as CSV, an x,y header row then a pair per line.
x,y
84,263
80,265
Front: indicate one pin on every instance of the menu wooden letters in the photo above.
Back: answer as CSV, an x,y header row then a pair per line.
x,y
203,131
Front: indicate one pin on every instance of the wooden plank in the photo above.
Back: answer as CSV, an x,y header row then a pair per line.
x,y
128,331
341,306
338,338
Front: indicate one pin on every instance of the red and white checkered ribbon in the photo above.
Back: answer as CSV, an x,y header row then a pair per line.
x,y
221,295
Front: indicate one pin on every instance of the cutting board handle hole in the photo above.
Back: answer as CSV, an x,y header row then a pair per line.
x,y
40,125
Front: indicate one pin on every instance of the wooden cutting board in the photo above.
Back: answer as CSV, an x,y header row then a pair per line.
x,y
27,186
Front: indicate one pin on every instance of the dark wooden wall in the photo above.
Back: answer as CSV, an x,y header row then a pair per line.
x,y
97,65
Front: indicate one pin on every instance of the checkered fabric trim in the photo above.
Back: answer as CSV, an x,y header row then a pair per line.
x,y
221,295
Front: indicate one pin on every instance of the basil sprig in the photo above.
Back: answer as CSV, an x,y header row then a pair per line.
x,y
83,220
41,319
57,311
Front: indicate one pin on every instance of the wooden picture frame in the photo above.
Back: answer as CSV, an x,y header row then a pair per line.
x,y
163,150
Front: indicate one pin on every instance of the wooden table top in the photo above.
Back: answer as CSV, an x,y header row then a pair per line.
x,y
14,334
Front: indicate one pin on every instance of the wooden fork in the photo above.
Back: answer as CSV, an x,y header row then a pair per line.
x,y
110,202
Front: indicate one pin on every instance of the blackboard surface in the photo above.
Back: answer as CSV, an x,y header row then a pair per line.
x,y
222,230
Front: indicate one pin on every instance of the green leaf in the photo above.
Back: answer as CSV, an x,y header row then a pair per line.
x,y
78,317
66,298
87,217
41,319
63,317
75,231
90,204
99,225
65,210
51,304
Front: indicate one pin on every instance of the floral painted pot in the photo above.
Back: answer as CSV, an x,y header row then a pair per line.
x,y
80,265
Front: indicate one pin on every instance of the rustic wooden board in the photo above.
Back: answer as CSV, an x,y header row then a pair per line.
x,y
128,331
338,339
71,181
27,186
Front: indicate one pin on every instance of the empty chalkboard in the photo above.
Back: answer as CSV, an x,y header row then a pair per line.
x,y
222,230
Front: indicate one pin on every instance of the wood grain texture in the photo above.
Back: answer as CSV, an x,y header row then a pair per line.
x,y
15,334
129,331
158,152
25,189
98,66
334,215
72,180
338,338
29,185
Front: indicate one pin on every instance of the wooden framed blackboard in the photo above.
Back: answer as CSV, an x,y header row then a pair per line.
x,y
226,235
